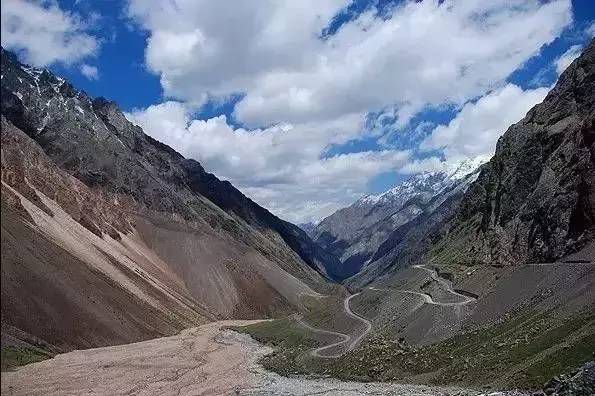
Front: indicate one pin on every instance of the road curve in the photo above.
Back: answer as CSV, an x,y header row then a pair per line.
x,y
350,341
447,286
368,325
317,352
426,297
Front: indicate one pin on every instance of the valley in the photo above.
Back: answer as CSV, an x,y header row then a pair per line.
x,y
128,268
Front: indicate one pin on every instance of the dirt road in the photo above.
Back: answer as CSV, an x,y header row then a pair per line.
x,y
207,360
426,297
447,286
347,342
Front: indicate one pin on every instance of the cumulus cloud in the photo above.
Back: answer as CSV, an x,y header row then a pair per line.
x,y
43,33
91,72
273,53
302,92
477,127
283,167
567,57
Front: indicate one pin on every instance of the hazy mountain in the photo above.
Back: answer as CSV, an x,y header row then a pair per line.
x,y
308,227
355,233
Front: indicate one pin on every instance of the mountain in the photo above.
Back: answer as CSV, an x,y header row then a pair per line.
x,y
495,286
356,233
533,202
109,236
535,199
308,227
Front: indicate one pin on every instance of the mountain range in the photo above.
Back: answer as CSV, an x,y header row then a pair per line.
x,y
356,234
477,271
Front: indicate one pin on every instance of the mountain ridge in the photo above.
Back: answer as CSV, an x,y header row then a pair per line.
x,y
355,233
139,220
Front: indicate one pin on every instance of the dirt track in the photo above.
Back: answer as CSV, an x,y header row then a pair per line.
x,y
426,297
206,360
347,342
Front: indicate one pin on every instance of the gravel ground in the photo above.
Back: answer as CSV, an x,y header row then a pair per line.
x,y
205,360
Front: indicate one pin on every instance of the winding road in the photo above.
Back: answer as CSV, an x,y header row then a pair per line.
x,y
350,341
428,298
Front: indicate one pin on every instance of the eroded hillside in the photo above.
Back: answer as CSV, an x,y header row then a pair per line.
x,y
109,236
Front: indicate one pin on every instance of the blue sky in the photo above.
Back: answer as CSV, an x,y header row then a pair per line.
x,y
308,105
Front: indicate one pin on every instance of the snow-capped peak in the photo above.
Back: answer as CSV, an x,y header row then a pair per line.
x,y
460,169
430,182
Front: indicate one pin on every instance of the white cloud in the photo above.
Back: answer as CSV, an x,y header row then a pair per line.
x,y
591,30
272,52
306,93
281,167
477,127
424,165
91,72
567,57
43,33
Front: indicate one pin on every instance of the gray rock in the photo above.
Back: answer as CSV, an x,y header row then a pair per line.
x,y
534,200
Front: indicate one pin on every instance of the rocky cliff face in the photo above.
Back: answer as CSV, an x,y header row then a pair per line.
x,y
89,199
360,233
535,200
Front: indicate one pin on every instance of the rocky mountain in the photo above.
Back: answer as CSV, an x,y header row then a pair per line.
x,y
532,202
535,200
308,227
498,280
109,236
356,233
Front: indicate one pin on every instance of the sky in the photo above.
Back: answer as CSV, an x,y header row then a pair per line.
x,y
308,105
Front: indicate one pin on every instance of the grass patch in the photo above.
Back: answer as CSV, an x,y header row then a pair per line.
x,y
507,354
284,333
454,247
291,342
564,360
13,356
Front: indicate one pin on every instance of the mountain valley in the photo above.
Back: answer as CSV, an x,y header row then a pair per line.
x,y
129,269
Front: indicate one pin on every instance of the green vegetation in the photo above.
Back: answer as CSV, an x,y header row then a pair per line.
x,y
565,359
523,351
454,247
291,343
280,333
13,356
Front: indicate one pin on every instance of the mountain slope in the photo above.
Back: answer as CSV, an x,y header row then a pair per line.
x,y
494,287
81,182
356,233
535,200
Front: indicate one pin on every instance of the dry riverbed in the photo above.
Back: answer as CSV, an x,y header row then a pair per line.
x,y
206,360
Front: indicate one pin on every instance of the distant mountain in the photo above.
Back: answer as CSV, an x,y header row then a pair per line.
x,y
110,236
354,234
308,227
